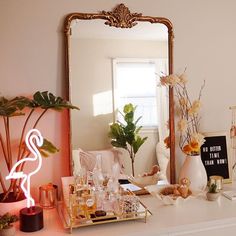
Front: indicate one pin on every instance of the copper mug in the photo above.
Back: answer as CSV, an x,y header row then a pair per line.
x,y
48,195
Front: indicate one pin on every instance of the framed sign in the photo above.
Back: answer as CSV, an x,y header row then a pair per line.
x,y
216,156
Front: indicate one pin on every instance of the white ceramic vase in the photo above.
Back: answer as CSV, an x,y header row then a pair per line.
x,y
194,170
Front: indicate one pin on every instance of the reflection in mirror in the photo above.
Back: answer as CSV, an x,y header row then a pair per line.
x,y
110,67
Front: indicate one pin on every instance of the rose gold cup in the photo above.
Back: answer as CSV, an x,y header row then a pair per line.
x,y
48,195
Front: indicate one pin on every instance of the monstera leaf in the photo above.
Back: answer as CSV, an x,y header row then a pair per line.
x,y
47,148
47,100
10,108
13,107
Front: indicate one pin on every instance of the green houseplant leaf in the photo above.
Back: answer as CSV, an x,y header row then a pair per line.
x,y
13,107
47,148
117,135
6,220
47,100
138,142
128,108
126,135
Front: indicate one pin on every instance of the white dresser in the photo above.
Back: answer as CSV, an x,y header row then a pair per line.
x,y
195,216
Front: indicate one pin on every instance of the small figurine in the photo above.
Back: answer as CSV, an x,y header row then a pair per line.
x,y
178,190
184,187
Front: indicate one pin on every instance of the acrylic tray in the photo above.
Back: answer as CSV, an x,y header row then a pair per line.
x,y
71,223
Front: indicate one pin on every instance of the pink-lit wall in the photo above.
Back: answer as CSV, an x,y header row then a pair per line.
x,y
32,57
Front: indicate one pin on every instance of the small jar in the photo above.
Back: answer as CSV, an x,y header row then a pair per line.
x,y
129,204
218,180
48,196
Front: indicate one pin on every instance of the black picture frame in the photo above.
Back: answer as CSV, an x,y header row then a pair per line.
x,y
216,156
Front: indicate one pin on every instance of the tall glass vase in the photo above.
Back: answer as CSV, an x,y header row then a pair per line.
x,y
194,170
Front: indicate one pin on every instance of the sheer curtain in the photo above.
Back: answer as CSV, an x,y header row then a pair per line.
x,y
162,99
162,153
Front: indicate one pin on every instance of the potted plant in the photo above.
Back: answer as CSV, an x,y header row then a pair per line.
x,y
6,226
212,193
33,109
126,135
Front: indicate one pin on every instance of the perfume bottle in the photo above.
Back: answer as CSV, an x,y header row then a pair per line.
x,y
80,179
89,202
97,172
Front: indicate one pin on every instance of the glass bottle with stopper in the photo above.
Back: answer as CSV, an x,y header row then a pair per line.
x,y
97,172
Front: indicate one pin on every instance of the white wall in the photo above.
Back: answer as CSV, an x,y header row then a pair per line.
x,y
31,46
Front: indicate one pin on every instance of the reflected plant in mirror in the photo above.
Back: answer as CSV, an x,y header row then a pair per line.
x,y
126,136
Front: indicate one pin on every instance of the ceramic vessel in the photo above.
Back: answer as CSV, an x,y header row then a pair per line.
x,y
194,170
212,196
144,181
8,232
12,207
155,191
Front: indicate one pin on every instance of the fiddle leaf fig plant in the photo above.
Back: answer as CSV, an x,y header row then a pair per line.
x,y
126,135
24,106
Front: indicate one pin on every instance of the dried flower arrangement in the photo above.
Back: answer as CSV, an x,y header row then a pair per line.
x,y
190,139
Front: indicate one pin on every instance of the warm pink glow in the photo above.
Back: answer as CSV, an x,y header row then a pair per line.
x,y
14,174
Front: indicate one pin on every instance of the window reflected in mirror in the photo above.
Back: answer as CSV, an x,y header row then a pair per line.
x,y
136,81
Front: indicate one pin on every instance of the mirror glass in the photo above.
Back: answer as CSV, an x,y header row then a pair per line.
x,y
110,67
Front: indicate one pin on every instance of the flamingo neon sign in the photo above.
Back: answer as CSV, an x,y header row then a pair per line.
x,y
32,137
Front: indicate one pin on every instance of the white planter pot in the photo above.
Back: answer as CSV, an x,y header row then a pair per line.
x,y
12,207
194,170
212,196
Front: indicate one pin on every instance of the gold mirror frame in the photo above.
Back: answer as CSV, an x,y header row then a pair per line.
x,y
121,17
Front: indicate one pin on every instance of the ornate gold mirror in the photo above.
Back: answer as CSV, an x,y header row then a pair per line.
x,y
101,45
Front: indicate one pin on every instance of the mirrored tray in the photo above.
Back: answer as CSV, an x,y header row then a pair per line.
x,y
71,222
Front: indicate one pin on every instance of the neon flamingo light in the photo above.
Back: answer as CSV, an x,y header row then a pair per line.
x,y
33,134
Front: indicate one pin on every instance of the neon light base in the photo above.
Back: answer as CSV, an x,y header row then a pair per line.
x,y
31,219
